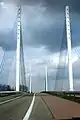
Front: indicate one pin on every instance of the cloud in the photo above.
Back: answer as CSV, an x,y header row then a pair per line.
x,y
8,41
8,16
43,22
42,28
51,4
45,28
38,70
8,27
6,67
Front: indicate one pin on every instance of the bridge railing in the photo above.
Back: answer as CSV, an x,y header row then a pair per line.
x,y
7,93
65,93
70,95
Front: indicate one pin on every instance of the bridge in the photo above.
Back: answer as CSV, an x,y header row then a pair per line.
x,y
22,103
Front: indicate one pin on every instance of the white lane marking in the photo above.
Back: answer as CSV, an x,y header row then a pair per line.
x,y
9,100
30,109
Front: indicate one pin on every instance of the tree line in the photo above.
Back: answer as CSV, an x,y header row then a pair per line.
x,y
8,88
5,87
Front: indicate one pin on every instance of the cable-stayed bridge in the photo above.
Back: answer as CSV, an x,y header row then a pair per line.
x,y
65,50
19,100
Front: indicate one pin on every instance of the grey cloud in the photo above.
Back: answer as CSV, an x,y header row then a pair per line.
x,y
52,4
45,31
76,69
6,67
49,3
50,34
8,41
50,38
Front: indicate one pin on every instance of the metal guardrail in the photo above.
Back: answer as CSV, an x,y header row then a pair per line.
x,y
68,93
7,93
4,92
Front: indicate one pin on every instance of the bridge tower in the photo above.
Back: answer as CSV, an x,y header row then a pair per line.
x,y
18,49
30,80
46,73
68,34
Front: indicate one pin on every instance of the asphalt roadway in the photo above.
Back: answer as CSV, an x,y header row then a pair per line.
x,y
45,107
17,109
40,110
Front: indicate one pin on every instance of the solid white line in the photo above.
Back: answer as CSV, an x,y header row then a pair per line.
x,y
30,109
9,100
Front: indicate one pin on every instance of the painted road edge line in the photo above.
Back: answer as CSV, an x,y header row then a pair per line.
x,y
30,109
9,100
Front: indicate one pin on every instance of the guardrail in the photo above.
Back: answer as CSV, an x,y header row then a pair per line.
x,y
70,95
7,93
64,93
2,92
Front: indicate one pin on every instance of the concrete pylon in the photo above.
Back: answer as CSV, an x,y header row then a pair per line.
x,y
68,33
18,49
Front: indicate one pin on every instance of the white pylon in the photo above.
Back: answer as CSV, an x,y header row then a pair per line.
x,y
30,80
46,73
68,32
18,50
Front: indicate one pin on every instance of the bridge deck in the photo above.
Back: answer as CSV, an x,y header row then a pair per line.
x,y
15,110
40,110
62,108
46,107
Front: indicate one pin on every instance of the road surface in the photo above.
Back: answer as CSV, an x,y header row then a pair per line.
x,y
8,97
45,107
62,108
16,109
40,110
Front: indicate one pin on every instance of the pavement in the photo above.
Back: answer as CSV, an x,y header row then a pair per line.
x,y
15,110
45,107
40,110
2,99
61,108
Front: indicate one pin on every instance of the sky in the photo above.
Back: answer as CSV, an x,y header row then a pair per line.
x,y
44,36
